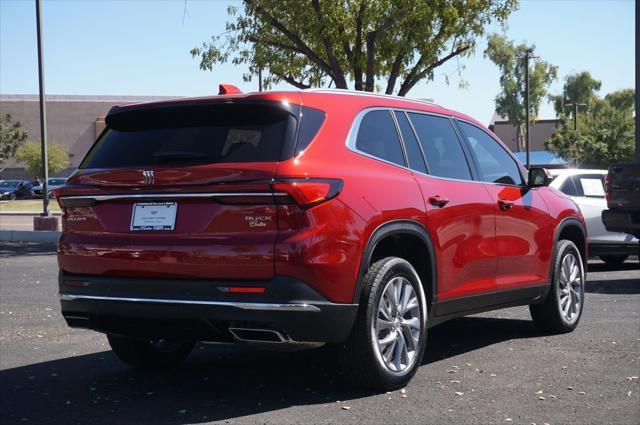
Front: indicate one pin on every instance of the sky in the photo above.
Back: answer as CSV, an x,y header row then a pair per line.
x,y
107,47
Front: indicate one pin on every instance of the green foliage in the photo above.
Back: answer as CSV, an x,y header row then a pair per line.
x,y
310,43
510,102
29,154
11,137
606,134
578,88
623,100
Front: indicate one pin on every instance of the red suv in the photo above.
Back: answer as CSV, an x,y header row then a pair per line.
x,y
298,218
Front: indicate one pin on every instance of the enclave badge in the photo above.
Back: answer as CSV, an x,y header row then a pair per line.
x,y
148,177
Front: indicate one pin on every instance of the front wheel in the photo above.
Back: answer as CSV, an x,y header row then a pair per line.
x,y
561,309
149,354
387,341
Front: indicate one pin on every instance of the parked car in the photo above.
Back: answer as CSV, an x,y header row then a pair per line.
x,y
587,189
14,189
623,199
293,219
52,184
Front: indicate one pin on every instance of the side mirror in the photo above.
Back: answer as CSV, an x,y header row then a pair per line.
x,y
538,177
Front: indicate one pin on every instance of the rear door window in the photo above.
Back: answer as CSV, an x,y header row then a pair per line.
x,y
192,135
378,137
442,149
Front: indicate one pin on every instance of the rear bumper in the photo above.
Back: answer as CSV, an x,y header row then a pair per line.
x,y
200,310
622,221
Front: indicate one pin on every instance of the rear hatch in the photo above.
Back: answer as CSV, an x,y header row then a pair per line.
x,y
179,190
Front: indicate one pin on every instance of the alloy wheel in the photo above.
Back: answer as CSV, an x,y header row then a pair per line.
x,y
570,288
397,326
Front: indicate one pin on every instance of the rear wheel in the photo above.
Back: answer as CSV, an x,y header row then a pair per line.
x,y
388,338
561,310
614,260
149,354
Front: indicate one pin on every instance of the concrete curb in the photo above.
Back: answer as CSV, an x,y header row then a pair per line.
x,y
25,213
29,236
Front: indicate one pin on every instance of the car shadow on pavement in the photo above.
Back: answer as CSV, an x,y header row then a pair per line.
x,y
217,382
16,249
614,286
466,334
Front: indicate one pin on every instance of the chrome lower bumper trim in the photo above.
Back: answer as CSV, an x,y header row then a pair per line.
x,y
241,305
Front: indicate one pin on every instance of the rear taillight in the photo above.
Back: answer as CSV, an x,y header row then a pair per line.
x,y
308,192
607,187
56,195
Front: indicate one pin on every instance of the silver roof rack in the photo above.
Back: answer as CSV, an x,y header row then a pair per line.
x,y
371,94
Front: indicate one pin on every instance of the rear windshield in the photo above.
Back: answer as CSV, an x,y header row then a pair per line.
x,y
189,135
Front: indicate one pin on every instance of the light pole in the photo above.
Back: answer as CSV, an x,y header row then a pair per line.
x,y
528,55
575,105
43,114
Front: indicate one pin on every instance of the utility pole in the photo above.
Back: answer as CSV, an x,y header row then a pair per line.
x,y
43,114
528,55
260,79
575,105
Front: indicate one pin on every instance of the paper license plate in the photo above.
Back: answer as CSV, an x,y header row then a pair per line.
x,y
154,216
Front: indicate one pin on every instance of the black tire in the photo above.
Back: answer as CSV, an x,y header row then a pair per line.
x,y
13,197
360,356
149,354
547,315
614,260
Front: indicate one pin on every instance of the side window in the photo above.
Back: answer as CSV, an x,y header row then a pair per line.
x,y
378,137
495,164
569,187
442,149
591,185
414,155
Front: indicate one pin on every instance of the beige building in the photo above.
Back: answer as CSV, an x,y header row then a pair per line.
x,y
73,122
539,133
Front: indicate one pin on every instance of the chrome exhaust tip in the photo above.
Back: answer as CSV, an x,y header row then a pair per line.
x,y
258,335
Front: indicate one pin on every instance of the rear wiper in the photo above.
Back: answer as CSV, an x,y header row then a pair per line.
x,y
178,155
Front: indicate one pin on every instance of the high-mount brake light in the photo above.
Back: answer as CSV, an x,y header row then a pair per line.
x,y
309,192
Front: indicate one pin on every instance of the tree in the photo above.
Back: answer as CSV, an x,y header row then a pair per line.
x,y
605,136
309,44
578,88
29,154
623,100
510,101
11,137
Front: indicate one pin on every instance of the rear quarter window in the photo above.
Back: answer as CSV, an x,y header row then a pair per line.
x,y
378,137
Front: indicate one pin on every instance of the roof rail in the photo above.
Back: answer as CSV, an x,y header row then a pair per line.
x,y
371,94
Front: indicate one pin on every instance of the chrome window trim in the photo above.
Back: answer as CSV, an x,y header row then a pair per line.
x,y
170,195
241,305
355,126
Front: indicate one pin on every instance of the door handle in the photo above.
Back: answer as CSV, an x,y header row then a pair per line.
x,y
504,204
438,201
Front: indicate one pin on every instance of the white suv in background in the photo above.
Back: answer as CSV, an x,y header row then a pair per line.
x,y
586,188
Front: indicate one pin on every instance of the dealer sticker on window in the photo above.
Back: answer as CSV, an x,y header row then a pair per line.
x,y
154,216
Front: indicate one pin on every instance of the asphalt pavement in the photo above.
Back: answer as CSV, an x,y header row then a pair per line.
x,y
492,368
